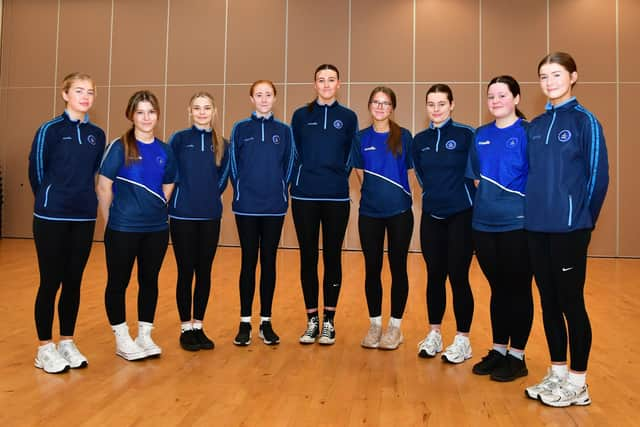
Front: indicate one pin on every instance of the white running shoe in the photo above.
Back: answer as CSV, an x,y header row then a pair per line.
x,y
328,335
459,351
145,342
125,346
431,345
549,383
50,360
372,339
70,352
391,339
566,394
313,329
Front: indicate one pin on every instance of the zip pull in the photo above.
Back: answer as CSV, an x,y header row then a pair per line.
x,y
325,117
202,142
262,130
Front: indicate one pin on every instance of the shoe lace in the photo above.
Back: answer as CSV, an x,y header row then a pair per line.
x,y
312,327
457,348
327,328
429,341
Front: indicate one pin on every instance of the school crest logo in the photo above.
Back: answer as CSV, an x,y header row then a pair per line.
x,y
512,142
450,145
160,160
91,139
276,139
338,124
564,135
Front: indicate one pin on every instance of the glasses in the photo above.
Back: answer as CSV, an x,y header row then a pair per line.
x,y
381,104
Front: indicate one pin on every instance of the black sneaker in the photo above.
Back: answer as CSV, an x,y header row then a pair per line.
x,y
488,363
244,334
312,332
328,335
203,340
511,369
268,336
189,341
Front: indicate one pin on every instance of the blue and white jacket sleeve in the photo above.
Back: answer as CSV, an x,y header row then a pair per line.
x,y
355,158
407,143
174,144
596,154
171,168
473,166
38,158
113,160
223,169
290,157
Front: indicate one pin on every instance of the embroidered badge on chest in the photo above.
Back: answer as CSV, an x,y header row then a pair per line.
x,y
276,139
91,139
512,142
338,124
450,145
564,135
160,160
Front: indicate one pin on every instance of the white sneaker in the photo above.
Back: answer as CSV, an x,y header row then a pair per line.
x,y
459,351
50,360
70,352
313,329
125,346
566,394
145,342
372,339
391,338
328,335
549,383
431,345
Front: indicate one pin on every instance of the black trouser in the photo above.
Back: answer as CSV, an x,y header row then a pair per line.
x,y
258,234
372,231
307,217
447,249
559,264
194,245
504,260
63,249
122,249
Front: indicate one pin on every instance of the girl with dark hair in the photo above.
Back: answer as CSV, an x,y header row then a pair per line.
x,y
262,155
498,160
136,179
323,131
440,157
63,162
568,180
195,210
382,152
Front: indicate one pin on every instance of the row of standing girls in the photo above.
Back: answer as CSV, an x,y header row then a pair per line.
x,y
524,196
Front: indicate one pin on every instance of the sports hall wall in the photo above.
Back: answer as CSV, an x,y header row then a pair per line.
x,y
176,47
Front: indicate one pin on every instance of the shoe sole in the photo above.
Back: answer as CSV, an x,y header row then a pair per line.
x,y
190,347
565,404
307,341
381,347
207,346
131,357
326,341
242,344
41,366
509,379
268,342
444,358
82,365
373,346
484,373
425,355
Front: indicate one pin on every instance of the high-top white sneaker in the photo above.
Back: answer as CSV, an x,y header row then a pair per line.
x,y
145,342
125,347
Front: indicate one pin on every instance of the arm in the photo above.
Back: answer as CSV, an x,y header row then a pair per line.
x,y
290,157
36,160
167,189
598,179
223,169
104,190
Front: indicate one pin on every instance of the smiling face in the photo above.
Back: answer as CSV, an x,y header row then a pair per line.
x,y
439,108
263,97
145,117
380,107
501,102
556,82
79,98
202,112
326,86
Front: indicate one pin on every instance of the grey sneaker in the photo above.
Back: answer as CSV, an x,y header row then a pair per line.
x,y
372,339
391,338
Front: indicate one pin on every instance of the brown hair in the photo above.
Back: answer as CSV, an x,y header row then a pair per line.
x,y
322,67
513,86
74,77
131,153
394,141
218,142
257,82
440,88
560,58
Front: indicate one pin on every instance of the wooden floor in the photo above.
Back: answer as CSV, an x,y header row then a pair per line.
x,y
294,385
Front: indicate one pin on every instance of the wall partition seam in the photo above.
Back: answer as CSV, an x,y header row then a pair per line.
x,y
166,69
55,65
109,71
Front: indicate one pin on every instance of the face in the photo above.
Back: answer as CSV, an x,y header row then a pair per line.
x,y
380,107
556,82
263,98
145,117
500,101
438,107
80,96
202,112
327,85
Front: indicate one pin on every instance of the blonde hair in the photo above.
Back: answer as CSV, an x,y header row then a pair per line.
x,y
218,142
74,77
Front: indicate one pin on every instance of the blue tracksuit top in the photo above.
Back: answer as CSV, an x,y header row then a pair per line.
x,y
323,142
440,159
65,156
199,182
262,154
138,202
498,158
385,188
568,169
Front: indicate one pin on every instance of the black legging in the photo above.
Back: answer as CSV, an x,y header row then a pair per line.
x,y
122,249
194,245
63,249
504,260
372,231
559,264
258,234
447,249
307,217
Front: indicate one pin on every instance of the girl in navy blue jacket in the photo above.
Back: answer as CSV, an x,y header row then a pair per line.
x,y
383,152
64,159
195,210
136,179
568,179
262,153
323,131
440,157
498,160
